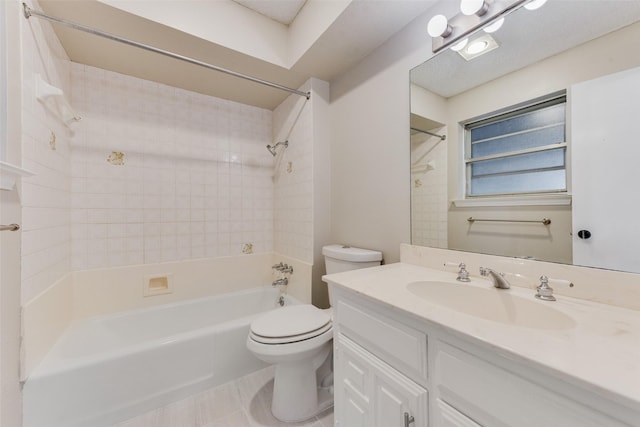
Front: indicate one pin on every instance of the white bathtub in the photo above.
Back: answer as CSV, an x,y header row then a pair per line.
x,y
110,368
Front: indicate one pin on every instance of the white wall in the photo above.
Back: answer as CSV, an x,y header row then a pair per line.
x,y
370,193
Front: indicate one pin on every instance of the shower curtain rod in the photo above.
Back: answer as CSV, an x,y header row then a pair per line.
x,y
28,12
442,137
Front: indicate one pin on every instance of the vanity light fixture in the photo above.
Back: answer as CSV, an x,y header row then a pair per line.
x,y
479,46
460,45
534,4
493,27
438,26
474,7
474,15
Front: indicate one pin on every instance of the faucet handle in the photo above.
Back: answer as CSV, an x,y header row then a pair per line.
x,y
463,274
484,271
544,291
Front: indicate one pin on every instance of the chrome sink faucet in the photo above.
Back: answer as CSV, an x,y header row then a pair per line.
x,y
496,278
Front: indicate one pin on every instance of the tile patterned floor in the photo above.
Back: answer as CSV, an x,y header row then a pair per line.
x,y
245,402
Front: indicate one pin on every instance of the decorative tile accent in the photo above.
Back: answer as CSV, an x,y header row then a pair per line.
x,y
52,141
247,248
116,158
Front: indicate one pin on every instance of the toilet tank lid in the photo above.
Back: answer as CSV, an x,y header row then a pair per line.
x,y
348,253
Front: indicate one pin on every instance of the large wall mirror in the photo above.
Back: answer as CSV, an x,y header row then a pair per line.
x,y
573,199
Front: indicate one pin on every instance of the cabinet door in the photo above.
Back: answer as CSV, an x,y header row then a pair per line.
x,y
352,376
395,396
370,393
354,410
450,417
494,396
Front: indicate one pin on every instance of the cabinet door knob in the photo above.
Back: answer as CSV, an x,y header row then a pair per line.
x,y
408,419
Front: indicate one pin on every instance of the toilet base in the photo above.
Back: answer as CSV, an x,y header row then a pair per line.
x,y
323,401
301,390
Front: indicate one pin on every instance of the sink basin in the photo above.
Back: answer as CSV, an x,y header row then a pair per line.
x,y
497,305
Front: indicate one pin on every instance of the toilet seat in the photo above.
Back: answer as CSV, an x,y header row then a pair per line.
x,y
290,324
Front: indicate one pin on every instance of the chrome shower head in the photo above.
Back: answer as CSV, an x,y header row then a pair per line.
x,y
272,148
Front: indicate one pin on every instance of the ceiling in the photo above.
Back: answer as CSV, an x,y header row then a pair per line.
x,y
289,41
558,26
282,41
282,11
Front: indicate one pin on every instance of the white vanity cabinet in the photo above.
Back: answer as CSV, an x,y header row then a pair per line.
x,y
378,366
388,363
372,393
491,390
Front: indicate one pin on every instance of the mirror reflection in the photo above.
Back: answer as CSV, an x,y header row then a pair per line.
x,y
529,150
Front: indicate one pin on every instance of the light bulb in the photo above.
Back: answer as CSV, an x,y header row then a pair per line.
x,y
460,45
438,26
534,4
477,47
495,26
473,7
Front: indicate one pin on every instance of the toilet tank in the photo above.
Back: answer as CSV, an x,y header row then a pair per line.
x,y
339,258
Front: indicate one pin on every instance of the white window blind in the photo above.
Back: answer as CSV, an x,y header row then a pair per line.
x,y
518,151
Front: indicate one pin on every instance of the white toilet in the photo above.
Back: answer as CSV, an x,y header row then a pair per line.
x,y
298,340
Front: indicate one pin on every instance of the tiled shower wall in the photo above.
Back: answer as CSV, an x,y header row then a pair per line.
x,y
293,179
153,173
46,196
429,191
163,174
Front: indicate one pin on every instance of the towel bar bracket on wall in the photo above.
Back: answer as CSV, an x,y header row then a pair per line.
x,y
10,227
545,221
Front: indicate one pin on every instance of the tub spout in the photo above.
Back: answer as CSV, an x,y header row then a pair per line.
x,y
284,282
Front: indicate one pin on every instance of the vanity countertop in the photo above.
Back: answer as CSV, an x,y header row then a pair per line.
x,y
601,353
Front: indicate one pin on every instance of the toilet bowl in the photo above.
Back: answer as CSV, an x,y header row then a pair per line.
x,y
297,339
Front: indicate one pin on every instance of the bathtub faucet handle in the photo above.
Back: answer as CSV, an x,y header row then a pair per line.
x,y
283,268
287,269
